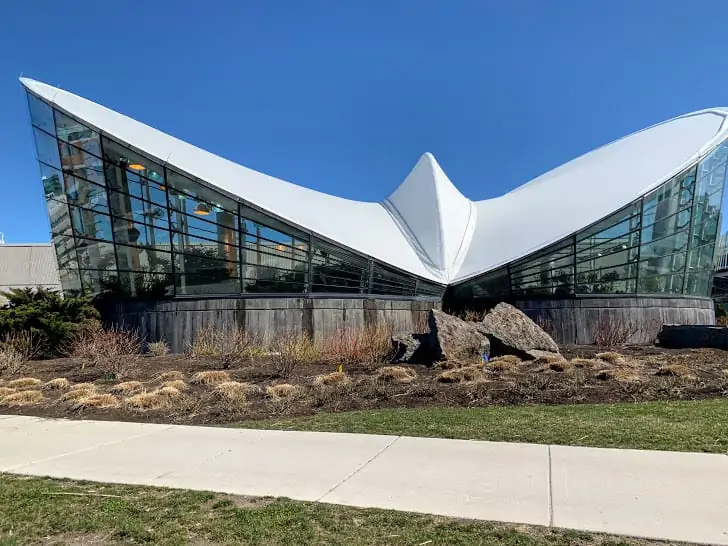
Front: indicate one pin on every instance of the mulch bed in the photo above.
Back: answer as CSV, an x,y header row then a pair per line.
x,y
663,375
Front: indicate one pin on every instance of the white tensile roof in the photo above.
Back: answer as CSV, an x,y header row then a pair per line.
x,y
427,227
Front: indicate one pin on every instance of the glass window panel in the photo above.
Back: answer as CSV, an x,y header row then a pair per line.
x,y
701,257
204,263
95,255
214,249
699,283
261,279
65,248
264,221
95,282
91,224
132,183
335,270
388,281
626,247
667,245
430,289
663,284
490,285
46,149
665,200
624,286
616,225
192,197
41,114
59,216
131,208
142,284
77,162
76,133
614,272
136,258
70,281
656,226
674,263
132,162
82,193
187,285
128,232
52,180
225,231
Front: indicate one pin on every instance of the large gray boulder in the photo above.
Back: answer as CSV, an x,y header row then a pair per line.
x,y
511,332
451,338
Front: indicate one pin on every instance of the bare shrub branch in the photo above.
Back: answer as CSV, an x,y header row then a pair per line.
x,y
230,346
613,331
113,350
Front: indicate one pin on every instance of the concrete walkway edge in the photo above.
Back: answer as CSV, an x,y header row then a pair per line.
x,y
651,494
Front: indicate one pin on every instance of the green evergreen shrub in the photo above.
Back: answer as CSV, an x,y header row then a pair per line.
x,y
52,320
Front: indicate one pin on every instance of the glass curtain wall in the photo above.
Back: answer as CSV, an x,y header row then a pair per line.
x,y
663,243
125,223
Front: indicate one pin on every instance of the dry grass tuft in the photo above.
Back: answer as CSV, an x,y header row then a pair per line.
x,y
158,348
22,398
169,392
176,384
504,363
622,375
676,370
147,401
233,391
83,387
332,379
23,383
76,394
172,375
547,360
611,357
210,377
285,390
58,384
4,391
395,374
97,400
586,363
461,375
562,365
127,388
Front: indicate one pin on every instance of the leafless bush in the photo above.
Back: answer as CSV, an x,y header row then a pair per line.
x,y
613,331
113,350
371,345
291,349
471,315
158,348
230,346
16,350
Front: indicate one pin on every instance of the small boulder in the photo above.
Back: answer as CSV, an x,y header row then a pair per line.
x,y
404,346
451,338
510,331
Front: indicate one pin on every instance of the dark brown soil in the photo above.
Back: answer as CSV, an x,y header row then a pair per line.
x,y
643,373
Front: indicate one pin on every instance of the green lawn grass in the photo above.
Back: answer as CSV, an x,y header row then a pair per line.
x,y
699,426
45,511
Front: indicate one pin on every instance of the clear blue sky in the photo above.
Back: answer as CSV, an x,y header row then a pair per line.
x,y
344,96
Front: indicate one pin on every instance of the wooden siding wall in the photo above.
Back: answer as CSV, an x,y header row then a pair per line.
x,y
177,321
576,321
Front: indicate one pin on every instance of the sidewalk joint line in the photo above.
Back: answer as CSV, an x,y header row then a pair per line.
x,y
550,489
85,449
358,469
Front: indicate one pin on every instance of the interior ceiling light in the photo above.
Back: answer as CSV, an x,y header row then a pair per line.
x,y
137,167
202,209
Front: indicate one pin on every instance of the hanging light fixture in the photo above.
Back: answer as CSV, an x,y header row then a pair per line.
x,y
202,209
137,167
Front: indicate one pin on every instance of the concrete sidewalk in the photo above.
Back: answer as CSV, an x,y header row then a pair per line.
x,y
674,496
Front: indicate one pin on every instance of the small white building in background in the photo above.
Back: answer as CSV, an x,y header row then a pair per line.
x,y
28,266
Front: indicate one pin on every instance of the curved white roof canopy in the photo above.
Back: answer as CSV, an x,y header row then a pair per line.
x,y
427,227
